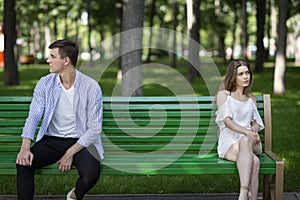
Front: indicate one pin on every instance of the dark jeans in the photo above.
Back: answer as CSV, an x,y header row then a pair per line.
x,y
49,150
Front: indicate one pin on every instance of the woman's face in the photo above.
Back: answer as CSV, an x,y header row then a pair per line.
x,y
243,76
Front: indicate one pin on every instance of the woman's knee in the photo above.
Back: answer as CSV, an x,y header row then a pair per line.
x,y
246,142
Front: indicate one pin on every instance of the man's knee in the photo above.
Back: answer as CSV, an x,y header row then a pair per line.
x,y
21,169
90,176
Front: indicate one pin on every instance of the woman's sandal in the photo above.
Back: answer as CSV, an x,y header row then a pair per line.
x,y
243,187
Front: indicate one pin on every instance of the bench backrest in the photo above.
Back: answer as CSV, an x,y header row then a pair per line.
x,y
164,125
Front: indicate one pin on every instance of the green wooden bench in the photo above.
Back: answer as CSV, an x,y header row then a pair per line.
x,y
152,136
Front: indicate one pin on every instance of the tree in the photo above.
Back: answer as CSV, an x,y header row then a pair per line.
x,y
221,27
293,24
280,60
244,29
173,55
260,20
131,48
193,9
151,23
234,5
11,74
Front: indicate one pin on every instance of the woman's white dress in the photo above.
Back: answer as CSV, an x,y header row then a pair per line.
x,y
242,113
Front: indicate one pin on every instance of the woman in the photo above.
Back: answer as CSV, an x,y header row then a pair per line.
x,y
239,123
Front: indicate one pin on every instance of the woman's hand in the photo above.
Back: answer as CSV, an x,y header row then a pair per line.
x,y
254,135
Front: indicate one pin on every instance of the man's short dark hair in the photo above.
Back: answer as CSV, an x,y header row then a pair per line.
x,y
66,48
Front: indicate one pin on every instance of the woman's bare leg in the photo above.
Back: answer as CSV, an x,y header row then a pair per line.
x,y
244,165
247,164
253,187
242,154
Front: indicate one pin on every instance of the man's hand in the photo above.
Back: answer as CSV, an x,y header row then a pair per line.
x,y
24,157
65,163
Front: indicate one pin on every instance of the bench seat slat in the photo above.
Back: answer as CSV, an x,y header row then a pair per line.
x,y
156,122
158,131
15,99
145,114
162,107
12,122
14,107
13,114
158,99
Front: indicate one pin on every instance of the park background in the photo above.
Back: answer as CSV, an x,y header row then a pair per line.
x,y
264,32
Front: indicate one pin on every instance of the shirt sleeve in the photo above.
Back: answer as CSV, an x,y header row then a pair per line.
x,y
35,111
94,118
223,112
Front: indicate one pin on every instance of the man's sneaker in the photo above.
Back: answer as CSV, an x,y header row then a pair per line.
x,y
69,194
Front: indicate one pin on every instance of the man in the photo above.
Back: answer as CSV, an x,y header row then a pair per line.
x,y
70,104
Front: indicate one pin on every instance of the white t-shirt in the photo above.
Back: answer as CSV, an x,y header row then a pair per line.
x,y
63,119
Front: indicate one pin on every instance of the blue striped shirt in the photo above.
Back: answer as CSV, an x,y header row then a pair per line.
x,y
87,107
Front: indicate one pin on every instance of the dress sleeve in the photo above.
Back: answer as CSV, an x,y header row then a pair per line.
x,y
257,117
223,111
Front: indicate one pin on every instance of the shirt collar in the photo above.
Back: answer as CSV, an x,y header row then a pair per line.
x,y
58,81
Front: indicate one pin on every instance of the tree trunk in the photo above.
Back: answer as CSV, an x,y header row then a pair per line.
x,y
244,29
11,74
55,31
221,30
47,40
119,14
260,19
37,40
193,28
89,33
66,31
173,54
152,14
234,31
269,25
280,60
131,48
297,52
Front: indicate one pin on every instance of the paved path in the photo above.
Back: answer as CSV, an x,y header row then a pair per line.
x,y
286,196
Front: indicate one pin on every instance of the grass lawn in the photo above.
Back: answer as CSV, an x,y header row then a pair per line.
x,y
285,116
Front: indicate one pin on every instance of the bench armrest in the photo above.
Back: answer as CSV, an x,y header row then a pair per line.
x,y
277,180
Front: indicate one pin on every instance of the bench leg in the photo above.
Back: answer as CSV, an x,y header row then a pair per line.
x,y
267,187
273,185
279,181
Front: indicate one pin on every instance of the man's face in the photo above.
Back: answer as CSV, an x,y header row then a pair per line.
x,y
56,63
